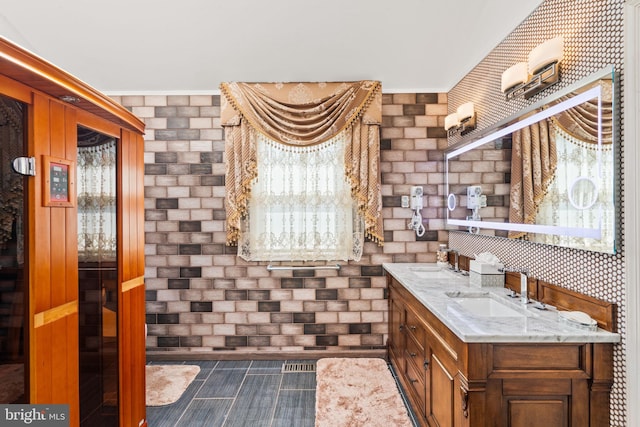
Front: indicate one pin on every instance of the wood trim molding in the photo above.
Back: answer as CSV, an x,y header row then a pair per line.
x,y
264,355
632,206
99,124
14,89
133,283
53,314
23,65
603,312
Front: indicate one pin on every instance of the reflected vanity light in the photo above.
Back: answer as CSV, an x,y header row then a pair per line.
x,y
594,233
462,121
541,70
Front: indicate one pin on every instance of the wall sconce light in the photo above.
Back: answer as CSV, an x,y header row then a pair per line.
x,y
541,70
462,121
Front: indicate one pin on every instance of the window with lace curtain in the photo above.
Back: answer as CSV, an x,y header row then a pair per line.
x,y
300,207
302,175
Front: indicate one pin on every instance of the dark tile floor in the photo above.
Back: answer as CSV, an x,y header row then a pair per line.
x,y
241,393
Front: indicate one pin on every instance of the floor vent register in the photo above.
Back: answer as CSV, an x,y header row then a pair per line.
x,y
294,368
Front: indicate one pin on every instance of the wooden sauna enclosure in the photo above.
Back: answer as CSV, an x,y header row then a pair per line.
x,y
72,310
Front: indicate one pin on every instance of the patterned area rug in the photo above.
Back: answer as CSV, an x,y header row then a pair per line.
x,y
166,383
358,392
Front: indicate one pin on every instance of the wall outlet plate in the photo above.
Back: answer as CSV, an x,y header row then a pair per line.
x,y
404,201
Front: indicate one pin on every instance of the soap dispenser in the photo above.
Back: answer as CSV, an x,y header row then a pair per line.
x,y
442,256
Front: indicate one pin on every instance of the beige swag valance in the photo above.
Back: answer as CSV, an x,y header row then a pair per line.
x,y
303,114
581,122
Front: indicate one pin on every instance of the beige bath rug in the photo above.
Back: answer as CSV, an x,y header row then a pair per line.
x,y
166,383
358,392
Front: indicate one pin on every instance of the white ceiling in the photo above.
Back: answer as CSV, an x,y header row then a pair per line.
x,y
190,46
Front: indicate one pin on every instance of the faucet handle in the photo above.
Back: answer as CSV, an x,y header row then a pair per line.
x,y
520,270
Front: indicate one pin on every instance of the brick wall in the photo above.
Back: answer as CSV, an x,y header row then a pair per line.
x,y
201,297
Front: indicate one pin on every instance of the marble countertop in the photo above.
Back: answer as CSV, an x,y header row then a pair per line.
x,y
439,289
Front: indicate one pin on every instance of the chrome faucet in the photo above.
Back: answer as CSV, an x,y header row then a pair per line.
x,y
457,256
524,281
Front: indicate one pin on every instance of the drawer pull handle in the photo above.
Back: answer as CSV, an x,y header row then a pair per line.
x,y
412,381
426,364
412,354
413,328
401,328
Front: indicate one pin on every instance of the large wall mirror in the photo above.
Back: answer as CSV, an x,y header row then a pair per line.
x,y
546,175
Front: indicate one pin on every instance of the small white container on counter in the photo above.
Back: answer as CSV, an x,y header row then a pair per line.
x,y
485,268
482,274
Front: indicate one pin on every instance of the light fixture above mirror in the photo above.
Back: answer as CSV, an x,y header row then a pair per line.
x,y
541,70
462,121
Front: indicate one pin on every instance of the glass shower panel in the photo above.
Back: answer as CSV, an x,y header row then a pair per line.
x,y
98,278
12,254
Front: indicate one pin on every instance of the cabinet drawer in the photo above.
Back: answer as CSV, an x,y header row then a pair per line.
x,y
415,352
538,387
415,327
509,357
416,379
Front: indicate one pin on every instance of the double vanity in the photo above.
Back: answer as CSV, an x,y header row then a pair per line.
x,y
477,356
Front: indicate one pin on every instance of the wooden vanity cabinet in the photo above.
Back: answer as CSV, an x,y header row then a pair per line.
x,y
452,383
425,355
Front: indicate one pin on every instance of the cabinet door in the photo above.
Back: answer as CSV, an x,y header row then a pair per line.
x,y
549,402
546,383
440,390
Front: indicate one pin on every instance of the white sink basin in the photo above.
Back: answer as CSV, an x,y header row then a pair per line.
x,y
432,272
486,307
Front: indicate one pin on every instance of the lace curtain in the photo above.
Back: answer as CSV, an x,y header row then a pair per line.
x,y
303,115
579,159
97,202
301,206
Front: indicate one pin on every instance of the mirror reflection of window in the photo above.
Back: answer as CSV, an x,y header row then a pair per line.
x,y
581,194
539,170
